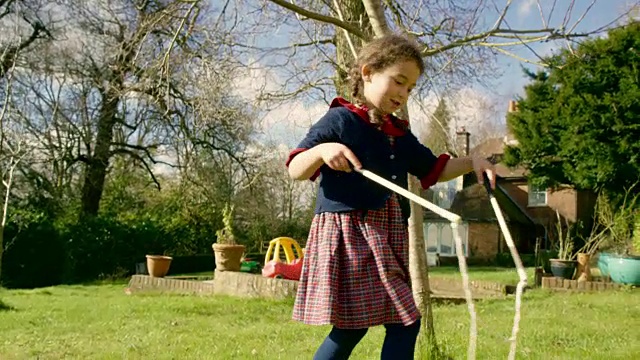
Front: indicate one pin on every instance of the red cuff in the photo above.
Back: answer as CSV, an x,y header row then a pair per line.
x,y
295,152
432,177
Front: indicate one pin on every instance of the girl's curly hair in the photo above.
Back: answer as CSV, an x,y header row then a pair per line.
x,y
379,54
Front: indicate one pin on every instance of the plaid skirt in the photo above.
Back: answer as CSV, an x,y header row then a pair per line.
x,y
355,271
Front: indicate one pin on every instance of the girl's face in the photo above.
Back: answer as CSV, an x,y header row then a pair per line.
x,y
388,90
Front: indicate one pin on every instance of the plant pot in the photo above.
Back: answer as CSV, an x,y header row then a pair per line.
x,y
603,260
624,269
228,257
158,265
563,268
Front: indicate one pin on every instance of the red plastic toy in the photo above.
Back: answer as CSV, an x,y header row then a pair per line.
x,y
280,270
291,268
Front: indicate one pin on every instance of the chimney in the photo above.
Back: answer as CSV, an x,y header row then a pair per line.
x,y
509,139
463,141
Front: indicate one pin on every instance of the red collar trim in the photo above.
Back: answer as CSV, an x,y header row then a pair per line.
x,y
363,112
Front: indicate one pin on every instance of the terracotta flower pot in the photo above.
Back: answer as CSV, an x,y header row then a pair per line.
x,y
228,257
158,265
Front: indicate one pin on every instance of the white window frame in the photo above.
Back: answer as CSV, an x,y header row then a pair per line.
x,y
534,194
464,227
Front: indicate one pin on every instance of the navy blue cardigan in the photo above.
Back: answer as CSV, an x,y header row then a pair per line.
x,y
340,191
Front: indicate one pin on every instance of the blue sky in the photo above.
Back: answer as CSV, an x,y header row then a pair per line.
x,y
527,16
523,14
290,121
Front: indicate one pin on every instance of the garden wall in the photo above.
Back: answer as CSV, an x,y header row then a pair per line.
x,y
555,283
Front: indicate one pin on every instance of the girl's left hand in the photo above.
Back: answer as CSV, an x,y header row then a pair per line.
x,y
482,166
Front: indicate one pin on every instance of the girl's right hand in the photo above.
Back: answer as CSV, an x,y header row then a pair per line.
x,y
337,156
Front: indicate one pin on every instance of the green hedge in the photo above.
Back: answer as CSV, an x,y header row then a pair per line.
x,y
43,251
34,252
40,252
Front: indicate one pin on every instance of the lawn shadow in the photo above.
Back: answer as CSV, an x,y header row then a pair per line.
x,y
480,269
6,307
106,281
528,294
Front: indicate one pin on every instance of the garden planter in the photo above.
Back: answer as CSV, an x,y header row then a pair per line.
x,y
603,259
624,269
228,257
563,268
584,269
158,265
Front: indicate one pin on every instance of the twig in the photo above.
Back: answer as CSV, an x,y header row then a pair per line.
x,y
7,183
583,16
544,22
502,16
520,58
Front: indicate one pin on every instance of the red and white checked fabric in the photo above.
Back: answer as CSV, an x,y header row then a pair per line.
x,y
356,270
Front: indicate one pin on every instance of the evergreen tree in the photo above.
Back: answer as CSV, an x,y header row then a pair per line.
x,y
579,120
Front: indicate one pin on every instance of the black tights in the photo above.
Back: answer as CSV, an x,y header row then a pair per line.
x,y
399,342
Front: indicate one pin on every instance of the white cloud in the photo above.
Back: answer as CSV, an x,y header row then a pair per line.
x,y
252,81
166,157
420,111
525,7
288,123
480,113
283,123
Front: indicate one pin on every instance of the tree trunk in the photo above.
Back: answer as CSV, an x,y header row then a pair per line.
x,y
8,183
418,266
1,252
96,168
353,12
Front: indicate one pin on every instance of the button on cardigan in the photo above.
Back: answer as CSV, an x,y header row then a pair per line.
x,y
347,124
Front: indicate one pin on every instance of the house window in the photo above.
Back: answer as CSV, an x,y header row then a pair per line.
x,y
439,238
537,196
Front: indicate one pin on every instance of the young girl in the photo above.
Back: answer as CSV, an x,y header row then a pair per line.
x,y
355,273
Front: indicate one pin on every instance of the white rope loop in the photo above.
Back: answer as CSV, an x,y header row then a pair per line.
x,y
411,196
464,271
522,274
462,262
455,221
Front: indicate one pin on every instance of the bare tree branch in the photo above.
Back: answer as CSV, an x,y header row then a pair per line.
x,y
376,16
139,158
39,31
324,18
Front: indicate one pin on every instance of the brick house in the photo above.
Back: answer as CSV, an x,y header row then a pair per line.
x,y
529,212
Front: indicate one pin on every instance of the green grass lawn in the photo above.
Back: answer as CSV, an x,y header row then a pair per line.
x,y
102,322
485,273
